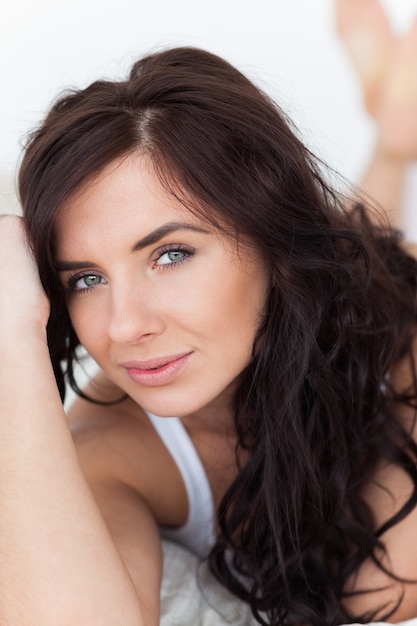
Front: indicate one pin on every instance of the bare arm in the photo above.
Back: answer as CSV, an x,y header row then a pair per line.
x,y
60,562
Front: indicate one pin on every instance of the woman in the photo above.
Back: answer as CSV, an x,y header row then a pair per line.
x,y
187,239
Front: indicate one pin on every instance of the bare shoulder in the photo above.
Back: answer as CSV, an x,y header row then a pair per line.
x,y
117,444
411,248
379,591
387,494
109,433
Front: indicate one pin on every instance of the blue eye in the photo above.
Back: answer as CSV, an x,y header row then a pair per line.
x,y
173,255
85,282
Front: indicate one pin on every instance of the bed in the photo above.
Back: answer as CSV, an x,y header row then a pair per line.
x,y
191,596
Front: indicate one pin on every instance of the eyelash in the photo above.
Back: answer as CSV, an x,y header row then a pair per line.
x,y
187,251
72,281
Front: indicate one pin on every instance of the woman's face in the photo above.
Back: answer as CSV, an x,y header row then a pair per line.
x,y
163,302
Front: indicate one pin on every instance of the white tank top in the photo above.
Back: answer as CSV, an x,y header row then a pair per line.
x,y
197,534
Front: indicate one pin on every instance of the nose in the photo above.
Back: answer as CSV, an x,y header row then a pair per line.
x,y
133,316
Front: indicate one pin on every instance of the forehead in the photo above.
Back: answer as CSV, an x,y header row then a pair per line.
x,y
127,199
124,195
128,180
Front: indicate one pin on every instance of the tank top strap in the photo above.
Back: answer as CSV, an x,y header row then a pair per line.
x,y
198,532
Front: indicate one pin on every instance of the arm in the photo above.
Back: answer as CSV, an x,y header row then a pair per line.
x,y
60,562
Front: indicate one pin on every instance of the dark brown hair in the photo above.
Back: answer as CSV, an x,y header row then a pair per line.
x,y
316,408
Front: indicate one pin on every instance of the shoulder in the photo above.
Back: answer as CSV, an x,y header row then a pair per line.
x,y
411,248
387,494
377,590
107,436
117,444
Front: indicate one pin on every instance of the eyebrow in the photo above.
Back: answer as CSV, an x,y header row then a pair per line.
x,y
164,230
153,237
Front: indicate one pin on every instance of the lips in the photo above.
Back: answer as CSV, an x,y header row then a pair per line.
x,y
157,371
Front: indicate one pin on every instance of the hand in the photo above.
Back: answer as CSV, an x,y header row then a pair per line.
x,y
25,306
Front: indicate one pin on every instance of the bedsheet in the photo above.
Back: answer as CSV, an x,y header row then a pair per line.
x,y
191,596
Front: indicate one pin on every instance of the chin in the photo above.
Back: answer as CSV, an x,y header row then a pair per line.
x,y
169,407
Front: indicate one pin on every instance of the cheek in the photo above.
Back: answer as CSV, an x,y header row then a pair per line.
x,y
88,323
228,306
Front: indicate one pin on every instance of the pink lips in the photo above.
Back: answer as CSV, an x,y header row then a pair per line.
x,y
156,372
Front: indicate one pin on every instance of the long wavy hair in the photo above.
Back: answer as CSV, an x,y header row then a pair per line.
x,y
316,407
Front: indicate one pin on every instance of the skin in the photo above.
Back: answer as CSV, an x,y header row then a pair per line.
x,y
60,563
104,566
105,495
366,33
163,299
385,66
134,312
146,304
96,556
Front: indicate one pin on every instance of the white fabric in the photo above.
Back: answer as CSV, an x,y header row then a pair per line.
x,y
197,534
190,595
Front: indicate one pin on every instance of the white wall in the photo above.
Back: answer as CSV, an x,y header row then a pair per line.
x,y
289,46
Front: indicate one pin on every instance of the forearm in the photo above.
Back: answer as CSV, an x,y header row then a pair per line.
x,y
58,564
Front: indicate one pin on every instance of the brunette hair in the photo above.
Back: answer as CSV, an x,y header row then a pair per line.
x,y
316,407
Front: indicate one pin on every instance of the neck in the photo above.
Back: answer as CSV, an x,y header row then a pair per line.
x,y
215,418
